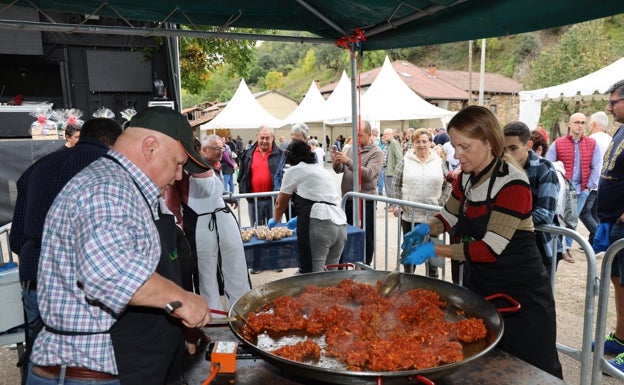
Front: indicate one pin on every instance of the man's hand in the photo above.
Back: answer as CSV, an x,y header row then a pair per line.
x,y
194,311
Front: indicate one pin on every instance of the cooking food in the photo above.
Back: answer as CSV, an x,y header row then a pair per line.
x,y
354,324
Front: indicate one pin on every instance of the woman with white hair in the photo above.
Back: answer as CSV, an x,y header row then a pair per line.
x,y
317,150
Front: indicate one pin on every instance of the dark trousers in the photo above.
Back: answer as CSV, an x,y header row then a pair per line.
x,y
369,225
589,215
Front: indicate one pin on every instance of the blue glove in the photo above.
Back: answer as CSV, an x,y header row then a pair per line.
x,y
272,223
419,254
292,224
414,238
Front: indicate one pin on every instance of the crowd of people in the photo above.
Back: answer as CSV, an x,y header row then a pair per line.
x,y
128,247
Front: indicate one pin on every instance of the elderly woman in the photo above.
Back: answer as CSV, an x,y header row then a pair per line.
x,y
489,213
420,177
320,220
317,150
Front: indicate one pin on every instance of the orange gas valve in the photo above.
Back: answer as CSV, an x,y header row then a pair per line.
x,y
224,355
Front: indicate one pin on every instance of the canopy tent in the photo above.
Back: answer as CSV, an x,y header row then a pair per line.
x,y
311,109
242,111
589,85
389,98
385,24
339,109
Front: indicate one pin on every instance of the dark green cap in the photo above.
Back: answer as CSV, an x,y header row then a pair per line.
x,y
175,125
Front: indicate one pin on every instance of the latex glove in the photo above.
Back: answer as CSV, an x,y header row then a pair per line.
x,y
292,224
419,254
415,237
272,222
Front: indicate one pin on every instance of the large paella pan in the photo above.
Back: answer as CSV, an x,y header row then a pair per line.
x,y
460,303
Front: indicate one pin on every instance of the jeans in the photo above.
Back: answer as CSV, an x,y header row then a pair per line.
x,y
34,379
228,182
388,184
380,181
580,203
31,310
265,211
589,216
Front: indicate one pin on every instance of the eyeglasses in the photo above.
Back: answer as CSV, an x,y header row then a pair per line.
x,y
612,103
221,149
579,122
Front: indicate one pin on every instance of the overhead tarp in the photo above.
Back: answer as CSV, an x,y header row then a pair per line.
x,y
339,103
242,111
386,24
310,110
389,98
594,84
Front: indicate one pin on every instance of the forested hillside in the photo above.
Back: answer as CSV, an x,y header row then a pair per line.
x,y
535,59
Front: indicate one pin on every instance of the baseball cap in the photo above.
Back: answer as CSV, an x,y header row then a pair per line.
x,y
175,125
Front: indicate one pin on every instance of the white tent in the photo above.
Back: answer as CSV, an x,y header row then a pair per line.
x,y
311,109
339,102
389,98
242,111
596,82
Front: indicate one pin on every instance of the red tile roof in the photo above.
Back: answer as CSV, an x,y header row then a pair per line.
x,y
444,85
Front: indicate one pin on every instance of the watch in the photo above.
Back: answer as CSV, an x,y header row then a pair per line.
x,y
172,306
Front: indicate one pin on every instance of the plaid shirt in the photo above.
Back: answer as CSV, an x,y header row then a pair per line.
x,y
99,247
544,189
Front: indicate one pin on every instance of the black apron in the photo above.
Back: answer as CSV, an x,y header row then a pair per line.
x,y
303,208
149,345
530,333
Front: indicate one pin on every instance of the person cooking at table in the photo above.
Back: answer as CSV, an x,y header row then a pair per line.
x,y
107,285
321,223
489,210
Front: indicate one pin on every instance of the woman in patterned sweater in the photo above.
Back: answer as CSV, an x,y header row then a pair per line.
x,y
489,214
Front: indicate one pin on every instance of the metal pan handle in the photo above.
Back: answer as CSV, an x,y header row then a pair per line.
x,y
515,305
346,266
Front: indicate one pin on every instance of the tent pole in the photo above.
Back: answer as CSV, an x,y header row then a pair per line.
x,y
356,145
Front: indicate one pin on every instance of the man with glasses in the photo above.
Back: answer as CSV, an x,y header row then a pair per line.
x,y
611,215
581,158
261,171
215,235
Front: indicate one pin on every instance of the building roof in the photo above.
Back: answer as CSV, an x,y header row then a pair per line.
x,y
434,84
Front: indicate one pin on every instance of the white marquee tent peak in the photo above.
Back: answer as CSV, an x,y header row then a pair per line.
x,y
311,109
339,102
595,82
242,111
389,98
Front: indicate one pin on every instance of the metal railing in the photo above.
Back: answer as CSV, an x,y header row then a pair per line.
x,y
599,363
5,246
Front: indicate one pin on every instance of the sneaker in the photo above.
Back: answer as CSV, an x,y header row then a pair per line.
x,y
278,270
618,362
613,346
256,271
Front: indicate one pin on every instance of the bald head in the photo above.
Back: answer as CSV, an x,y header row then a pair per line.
x,y
158,155
576,124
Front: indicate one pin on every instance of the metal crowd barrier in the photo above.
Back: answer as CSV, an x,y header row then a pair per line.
x,y
4,243
584,355
600,364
